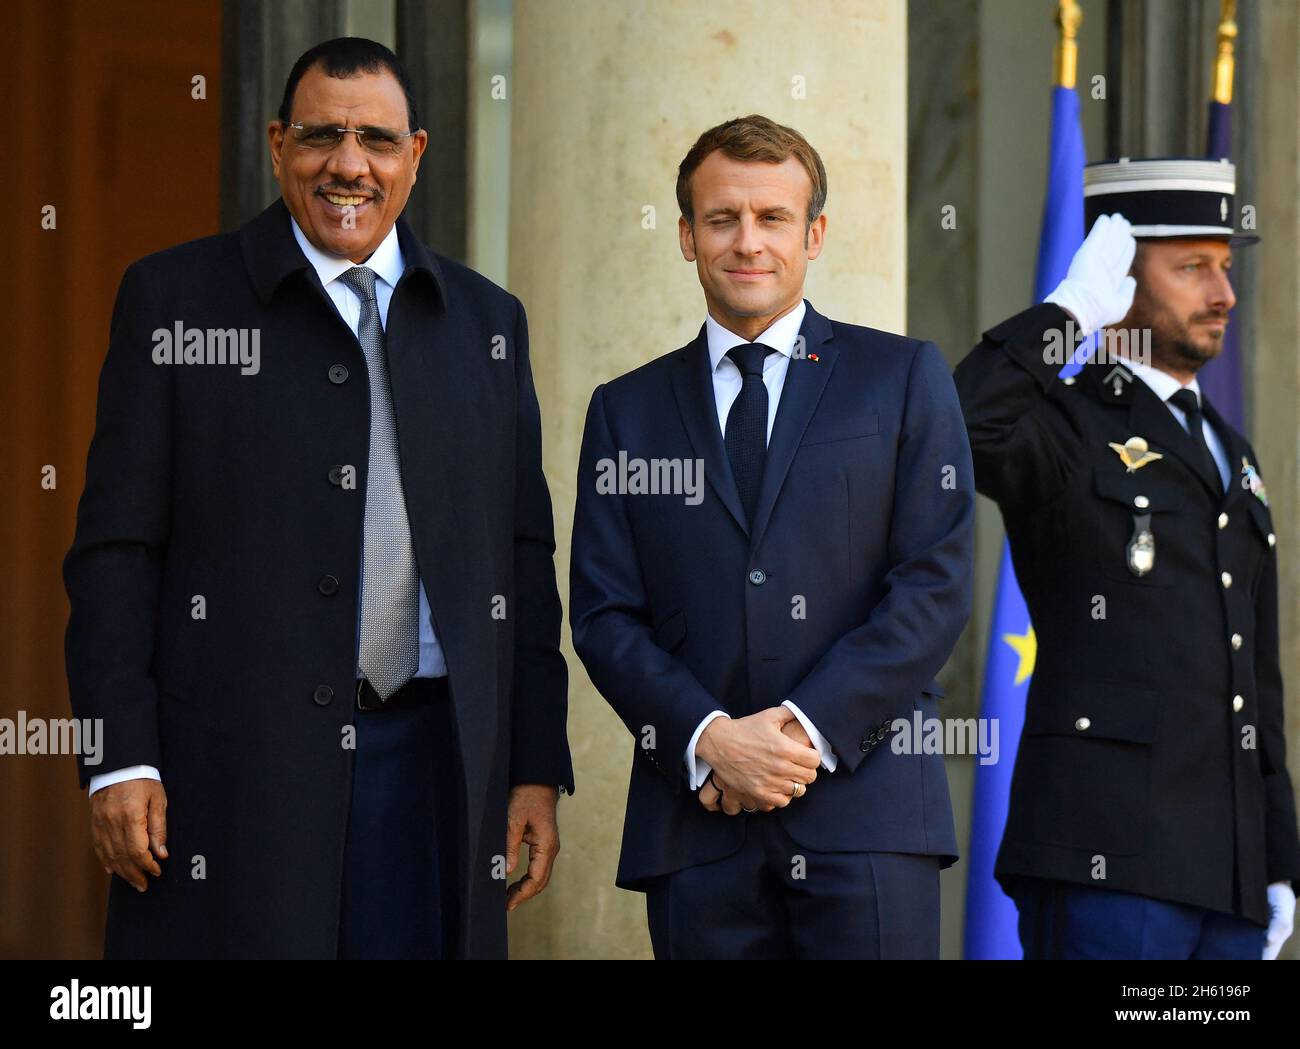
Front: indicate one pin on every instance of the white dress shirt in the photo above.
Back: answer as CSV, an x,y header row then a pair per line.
x,y
1164,386
388,265
727,381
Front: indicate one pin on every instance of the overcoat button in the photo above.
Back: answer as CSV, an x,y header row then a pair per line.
x,y
758,577
338,374
324,695
328,585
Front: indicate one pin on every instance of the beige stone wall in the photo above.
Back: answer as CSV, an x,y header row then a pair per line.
x,y
606,98
1275,370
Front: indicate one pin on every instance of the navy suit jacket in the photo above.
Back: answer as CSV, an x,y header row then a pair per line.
x,y
865,513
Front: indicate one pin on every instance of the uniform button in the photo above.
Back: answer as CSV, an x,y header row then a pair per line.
x,y
323,695
1083,724
1272,539
1068,381
336,475
1141,502
1236,641
338,374
1223,520
758,577
1226,580
1238,703
328,585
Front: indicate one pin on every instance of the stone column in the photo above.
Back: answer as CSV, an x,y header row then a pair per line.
x,y
606,98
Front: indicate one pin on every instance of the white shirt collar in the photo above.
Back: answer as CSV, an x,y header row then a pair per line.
x,y
780,335
1162,384
386,261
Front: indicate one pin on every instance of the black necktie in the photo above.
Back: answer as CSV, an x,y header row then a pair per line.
x,y
746,436
1187,402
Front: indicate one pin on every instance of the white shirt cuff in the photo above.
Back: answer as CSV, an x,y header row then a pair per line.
x,y
697,768
829,760
107,779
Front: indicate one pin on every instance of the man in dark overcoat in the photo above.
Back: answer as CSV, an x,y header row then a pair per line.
x,y
312,591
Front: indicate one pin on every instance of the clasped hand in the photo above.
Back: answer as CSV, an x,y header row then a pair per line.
x,y
760,763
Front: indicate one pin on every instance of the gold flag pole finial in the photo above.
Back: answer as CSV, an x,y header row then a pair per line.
x,y
1223,62
1069,16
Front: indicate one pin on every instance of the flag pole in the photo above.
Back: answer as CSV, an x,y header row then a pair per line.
x,y
1221,379
1225,60
1069,16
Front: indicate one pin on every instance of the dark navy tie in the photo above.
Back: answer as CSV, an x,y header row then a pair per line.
x,y
746,436
1187,402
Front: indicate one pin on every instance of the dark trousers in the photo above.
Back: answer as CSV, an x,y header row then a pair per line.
x,y
400,863
1065,921
774,899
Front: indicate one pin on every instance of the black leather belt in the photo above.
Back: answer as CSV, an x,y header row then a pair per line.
x,y
416,692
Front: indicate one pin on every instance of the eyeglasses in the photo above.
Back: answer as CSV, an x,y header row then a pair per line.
x,y
380,141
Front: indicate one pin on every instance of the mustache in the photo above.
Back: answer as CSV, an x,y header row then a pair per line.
x,y
358,189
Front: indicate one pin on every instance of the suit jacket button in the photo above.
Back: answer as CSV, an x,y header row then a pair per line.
x,y
336,475
338,374
1223,520
323,696
328,585
758,577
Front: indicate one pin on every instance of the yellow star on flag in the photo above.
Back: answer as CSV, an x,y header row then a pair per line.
x,y
1026,647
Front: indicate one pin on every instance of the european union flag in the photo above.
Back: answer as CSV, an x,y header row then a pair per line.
x,y
990,914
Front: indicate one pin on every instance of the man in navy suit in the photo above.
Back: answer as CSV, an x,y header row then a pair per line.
x,y
760,632
313,597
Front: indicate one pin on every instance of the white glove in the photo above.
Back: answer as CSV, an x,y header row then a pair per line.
x,y
1281,903
1097,289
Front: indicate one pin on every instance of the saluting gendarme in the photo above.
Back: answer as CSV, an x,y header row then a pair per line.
x,y
1151,811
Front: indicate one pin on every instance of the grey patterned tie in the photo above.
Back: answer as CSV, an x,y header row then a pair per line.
x,y
390,595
